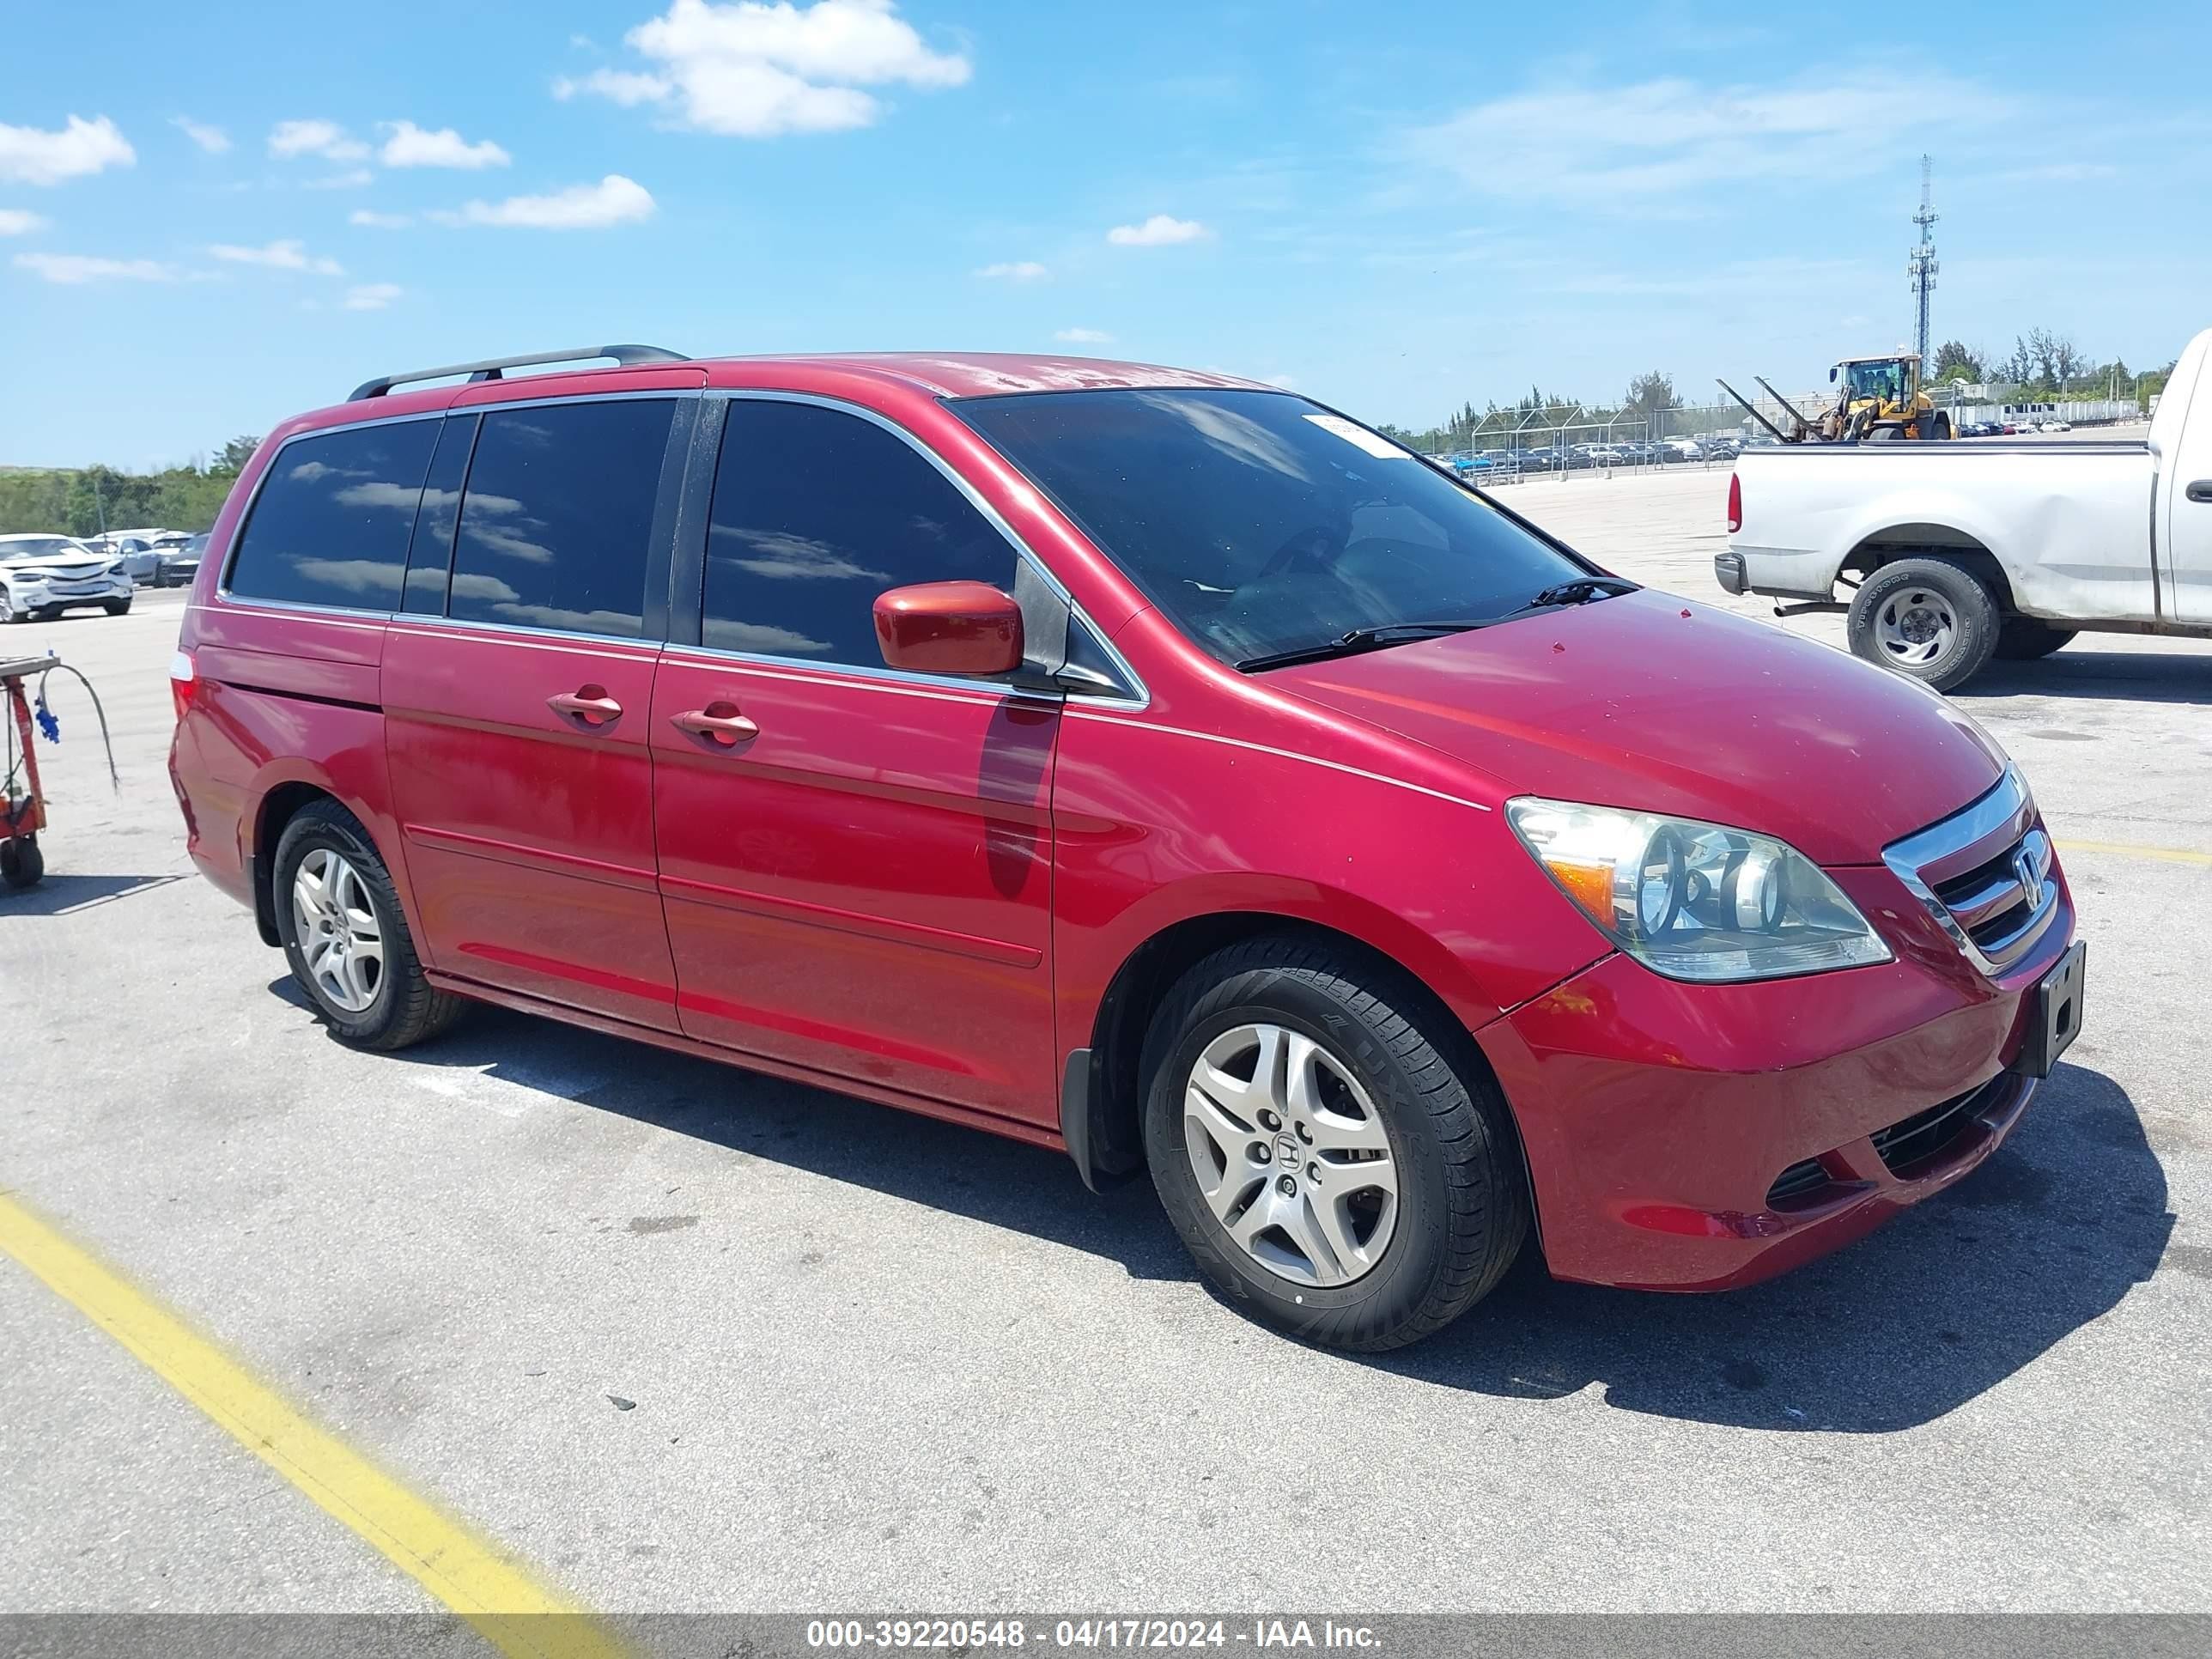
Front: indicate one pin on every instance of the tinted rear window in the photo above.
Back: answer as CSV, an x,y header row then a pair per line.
x,y
556,523
332,523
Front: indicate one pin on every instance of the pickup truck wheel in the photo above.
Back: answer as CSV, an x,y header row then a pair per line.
x,y
2024,639
1930,618
1336,1168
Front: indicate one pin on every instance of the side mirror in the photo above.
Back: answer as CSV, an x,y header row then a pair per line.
x,y
1831,376
949,628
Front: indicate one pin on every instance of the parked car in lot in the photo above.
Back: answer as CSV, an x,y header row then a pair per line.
x,y
1959,555
1169,771
44,576
178,565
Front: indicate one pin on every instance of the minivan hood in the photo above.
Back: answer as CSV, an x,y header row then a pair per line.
x,y
1651,703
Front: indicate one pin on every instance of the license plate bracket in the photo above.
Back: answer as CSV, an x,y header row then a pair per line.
x,y
2054,1017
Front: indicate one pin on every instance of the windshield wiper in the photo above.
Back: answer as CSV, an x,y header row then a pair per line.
x,y
1580,590
1359,639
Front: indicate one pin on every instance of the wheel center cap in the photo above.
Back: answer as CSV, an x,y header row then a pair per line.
x,y
1286,1152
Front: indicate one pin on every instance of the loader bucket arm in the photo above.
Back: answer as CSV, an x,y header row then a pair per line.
x,y
1751,409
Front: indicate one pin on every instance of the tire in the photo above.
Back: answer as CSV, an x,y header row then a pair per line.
x,y
7,611
401,1006
22,863
1937,598
2024,639
1423,1100
116,607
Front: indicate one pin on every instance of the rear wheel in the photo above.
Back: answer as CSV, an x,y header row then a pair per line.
x,y
1930,618
346,938
2024,639
1334,1155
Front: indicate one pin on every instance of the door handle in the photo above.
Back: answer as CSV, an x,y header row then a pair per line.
x,y
589,706
718,723
2201,490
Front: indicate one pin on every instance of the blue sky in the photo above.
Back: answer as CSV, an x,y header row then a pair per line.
x,y
213,216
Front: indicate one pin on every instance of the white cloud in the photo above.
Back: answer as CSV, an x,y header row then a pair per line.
x,y
1622,146
212,139
410,146
375,220
754,70
286,255
14,221
371,296
623,87
1017,271
1083,336
324,138
74,268
32,156
1159,231
614,200
352,178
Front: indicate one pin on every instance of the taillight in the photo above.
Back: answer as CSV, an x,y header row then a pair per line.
x,y
184,681
1735,503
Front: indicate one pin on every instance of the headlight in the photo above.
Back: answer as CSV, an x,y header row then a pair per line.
x,y
1695,900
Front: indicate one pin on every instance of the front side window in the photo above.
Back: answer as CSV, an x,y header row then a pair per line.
x,y
816,513
331,522
1261,524
556,523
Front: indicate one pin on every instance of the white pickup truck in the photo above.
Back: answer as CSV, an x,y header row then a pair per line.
x,y
1956,552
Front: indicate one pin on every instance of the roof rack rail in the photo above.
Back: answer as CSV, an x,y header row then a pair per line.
x,y
492,369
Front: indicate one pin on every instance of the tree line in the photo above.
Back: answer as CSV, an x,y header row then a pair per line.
x,y
1648,394
85,500
2044,365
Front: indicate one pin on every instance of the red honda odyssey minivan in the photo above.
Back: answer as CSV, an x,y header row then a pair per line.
x,y
1142,764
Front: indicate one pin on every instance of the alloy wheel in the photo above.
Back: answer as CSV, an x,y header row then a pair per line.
x,y
339,937
1291,1155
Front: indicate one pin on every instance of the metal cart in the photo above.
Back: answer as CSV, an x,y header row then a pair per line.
x,y
22,808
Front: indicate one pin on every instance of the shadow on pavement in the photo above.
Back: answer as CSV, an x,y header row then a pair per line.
x,y
2181,674
1945,1303
62,895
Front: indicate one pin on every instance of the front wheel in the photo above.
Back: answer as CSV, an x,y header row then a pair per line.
x,y
1333,1153
116,607
1930,618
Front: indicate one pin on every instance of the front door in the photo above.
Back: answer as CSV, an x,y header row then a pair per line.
x,y
2186,552
856,864
518,695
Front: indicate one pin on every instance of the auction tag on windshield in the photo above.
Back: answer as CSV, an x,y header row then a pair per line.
x,y
1359,437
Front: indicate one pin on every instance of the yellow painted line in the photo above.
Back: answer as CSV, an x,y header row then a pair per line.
x,y
2130,850
509,1608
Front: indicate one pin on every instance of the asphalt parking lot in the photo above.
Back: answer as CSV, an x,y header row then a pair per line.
x,y
684,1338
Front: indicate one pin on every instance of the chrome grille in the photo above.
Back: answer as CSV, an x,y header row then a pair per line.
x,y
1983,876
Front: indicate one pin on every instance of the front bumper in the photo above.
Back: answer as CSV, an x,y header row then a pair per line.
x,y
69,595
1699,1138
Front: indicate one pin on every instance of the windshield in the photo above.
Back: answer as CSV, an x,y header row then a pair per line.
x,y
1262,524
1874,380
37,547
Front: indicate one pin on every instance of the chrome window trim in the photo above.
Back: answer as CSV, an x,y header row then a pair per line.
x,y
2007,802
1140,698
641,644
